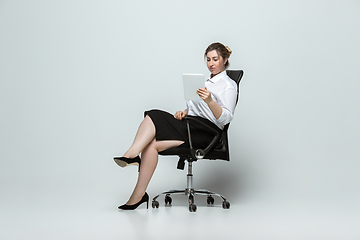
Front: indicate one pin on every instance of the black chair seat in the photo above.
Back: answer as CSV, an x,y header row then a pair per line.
x,y
214,154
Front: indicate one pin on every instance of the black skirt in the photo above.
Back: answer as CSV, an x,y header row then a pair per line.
x,y
169,128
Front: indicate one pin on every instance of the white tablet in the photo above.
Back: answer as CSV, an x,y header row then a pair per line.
x,y
191,83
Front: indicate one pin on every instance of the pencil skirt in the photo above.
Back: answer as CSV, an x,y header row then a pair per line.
x,y
169,128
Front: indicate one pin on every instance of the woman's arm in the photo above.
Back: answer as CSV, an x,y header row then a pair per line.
x,y
180,114
215,108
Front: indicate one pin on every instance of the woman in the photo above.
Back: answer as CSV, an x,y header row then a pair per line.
x,y
160,130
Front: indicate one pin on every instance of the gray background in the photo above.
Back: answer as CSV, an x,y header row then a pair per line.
x,y
76,76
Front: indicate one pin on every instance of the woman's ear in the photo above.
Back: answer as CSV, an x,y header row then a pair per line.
x,y
225,60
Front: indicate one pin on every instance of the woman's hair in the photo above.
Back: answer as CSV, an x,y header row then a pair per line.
x,y
223,51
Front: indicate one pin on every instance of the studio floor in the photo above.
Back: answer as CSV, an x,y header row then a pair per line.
x,y
38,214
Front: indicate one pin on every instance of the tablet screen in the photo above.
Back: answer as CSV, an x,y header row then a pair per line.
x,y
191,83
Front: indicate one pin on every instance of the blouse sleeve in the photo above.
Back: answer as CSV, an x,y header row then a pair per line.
x,y
227,101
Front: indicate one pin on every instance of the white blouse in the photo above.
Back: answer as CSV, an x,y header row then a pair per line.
x,y
224,92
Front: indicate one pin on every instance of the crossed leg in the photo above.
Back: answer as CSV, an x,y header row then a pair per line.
x,y
146,144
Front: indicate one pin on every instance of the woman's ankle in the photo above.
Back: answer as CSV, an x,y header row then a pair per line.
x,y
135,198
131,154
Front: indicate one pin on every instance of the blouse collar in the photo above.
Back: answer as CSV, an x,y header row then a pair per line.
x,y
217,77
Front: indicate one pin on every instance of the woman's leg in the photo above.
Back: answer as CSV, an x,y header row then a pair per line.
x,y
144,135
149,159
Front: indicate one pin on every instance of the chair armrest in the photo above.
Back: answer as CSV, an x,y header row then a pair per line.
x,y
200,153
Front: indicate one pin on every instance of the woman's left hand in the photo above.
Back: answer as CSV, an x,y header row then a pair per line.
x,y
204,94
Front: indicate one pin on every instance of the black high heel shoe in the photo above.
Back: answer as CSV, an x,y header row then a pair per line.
x,y
145,198
124,161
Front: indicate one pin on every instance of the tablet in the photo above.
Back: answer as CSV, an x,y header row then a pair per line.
x,y
191,83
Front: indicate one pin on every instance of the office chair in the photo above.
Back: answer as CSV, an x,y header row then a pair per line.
x,y
217,149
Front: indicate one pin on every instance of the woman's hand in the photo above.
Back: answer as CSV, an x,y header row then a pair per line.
x,y
205,95
180,114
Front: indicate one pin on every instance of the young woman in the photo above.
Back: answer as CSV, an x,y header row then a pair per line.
x,y
161,130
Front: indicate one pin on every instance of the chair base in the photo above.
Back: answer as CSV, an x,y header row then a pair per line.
x,y
190,192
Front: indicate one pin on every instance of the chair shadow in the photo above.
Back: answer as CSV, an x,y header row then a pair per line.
x,y
229,181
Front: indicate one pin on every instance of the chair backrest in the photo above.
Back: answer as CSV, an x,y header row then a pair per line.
x,y
221,151
236,75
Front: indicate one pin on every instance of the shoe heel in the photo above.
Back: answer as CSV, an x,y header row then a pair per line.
x,y
145,198
124,161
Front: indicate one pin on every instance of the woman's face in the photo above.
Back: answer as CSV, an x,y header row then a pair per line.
x,y
215,62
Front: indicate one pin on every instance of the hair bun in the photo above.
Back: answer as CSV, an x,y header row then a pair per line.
x,y
229,50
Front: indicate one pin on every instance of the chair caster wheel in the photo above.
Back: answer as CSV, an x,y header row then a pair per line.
x,y
210,200
155,204
226,205
168,200
192,207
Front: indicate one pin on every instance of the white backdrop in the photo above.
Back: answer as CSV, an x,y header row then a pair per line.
x,y
76,76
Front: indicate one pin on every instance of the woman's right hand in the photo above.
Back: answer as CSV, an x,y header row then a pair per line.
x,y
179,115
